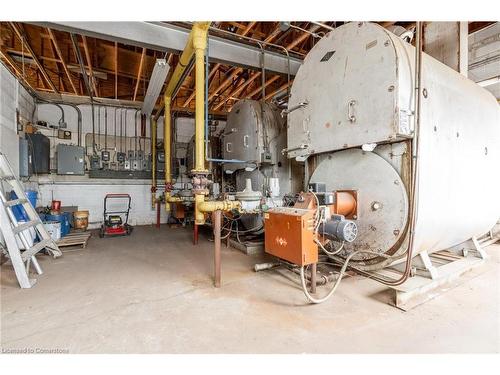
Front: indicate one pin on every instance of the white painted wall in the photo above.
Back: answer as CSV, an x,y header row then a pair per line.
x,y
124,118
13,96
88,194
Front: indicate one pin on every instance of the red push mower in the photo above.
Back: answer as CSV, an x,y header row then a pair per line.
x,y
113,221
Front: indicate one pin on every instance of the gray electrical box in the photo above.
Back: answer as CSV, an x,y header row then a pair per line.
x,y
70,159
24,158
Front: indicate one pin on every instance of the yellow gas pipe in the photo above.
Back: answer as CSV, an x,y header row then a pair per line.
x,y
167,131
184,60
196,46
200,33
153,162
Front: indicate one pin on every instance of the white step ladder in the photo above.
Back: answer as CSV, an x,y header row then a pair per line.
x,y
12,231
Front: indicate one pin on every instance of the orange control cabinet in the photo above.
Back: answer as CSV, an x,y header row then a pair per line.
x,y
289,234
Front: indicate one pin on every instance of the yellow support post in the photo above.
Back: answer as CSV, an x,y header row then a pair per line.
x,y
198,33
167,133
153,161
200,36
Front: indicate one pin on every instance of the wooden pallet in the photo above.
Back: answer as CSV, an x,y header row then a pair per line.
x,y
74,239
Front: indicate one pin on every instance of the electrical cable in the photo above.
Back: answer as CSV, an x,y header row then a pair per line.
x,y
329,252
337,282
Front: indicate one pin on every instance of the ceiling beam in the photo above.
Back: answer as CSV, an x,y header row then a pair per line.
x,y
225,83
217,66
248,28
238,90
58,67
116,70
89,64
169,38
210,75
259,89
278,90
17,72
95,71
139,72
302,37
60,56
24,39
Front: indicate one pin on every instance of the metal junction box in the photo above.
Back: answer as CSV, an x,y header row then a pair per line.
x,y
290,235
70,159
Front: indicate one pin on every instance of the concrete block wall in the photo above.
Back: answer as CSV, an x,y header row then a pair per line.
x,y
13,97
89,195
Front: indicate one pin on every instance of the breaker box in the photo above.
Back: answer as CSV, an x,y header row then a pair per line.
x,y
70,159
38,154
24,158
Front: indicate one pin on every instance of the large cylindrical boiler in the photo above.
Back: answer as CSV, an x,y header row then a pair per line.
x,y
254,138
255,134
353,121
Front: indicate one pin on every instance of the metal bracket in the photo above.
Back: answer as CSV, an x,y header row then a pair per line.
x,y
481,253
294,108
350,110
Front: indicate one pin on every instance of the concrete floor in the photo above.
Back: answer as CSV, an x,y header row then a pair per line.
x,y
152,293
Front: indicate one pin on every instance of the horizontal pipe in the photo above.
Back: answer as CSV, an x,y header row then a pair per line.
x,y
211,206
226,160
174,199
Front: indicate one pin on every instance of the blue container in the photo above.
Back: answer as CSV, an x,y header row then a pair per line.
x,y
18,210
63,219
32,196
69,218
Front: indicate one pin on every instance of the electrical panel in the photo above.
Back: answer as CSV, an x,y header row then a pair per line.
x,y
70,160
39,152
24,158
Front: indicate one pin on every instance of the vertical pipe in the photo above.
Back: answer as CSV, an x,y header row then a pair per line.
x,y
158,208
126,139
106,128
153,162
167,133
206,99
195,234
99,126
313,277
200,32
200,110
216,221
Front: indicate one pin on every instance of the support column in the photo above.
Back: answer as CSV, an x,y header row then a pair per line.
x,y
216,222
313,277
167,133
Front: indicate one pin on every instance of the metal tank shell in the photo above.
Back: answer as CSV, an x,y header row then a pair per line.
x,y
355,90
256,134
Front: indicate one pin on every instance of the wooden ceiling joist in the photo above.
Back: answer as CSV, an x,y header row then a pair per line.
x,y
89,64
61,57
25,40
214,70
139,73
210,75
278,90
238,90
259,89
225,83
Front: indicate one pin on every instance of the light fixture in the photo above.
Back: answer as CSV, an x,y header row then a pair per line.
x,y
156,82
